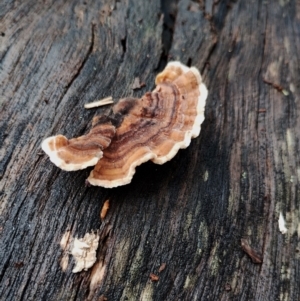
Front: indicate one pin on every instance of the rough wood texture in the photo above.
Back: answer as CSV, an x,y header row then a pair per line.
x,y
192,212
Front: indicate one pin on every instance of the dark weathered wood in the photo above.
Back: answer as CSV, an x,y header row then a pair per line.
x,y
192,212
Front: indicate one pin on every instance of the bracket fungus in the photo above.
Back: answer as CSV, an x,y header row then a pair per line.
x,y
79,153
153,127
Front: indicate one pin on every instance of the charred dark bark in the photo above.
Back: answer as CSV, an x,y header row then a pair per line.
x,y
190,213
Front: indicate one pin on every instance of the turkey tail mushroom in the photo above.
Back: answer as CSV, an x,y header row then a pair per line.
x,y
153,127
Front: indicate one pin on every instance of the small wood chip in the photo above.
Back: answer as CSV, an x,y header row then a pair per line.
x,y
227,287
104,209
256,258
99,103
162,267
153,277
285,92
137,84
281,222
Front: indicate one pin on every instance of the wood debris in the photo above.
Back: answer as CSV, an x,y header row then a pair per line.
x,y
281,223
162,267
84,251
285,92
104,209
256,258
277,87
99,103
65,246
228,287
153,277
137,84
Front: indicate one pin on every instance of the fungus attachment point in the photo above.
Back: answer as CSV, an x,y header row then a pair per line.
x,y
153,127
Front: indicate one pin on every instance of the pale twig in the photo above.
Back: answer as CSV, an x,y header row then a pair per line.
x,y
99,103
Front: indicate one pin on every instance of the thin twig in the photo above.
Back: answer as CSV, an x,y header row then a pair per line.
x,y
99,103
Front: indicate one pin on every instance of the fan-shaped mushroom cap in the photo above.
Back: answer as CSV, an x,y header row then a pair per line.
x,y
154,127
79,153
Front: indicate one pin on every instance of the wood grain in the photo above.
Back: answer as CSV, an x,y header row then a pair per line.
x,y
190,213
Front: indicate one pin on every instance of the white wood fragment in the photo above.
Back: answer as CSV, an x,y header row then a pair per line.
x,y
84,251
64,262
281,223
65,245
99,103
65,240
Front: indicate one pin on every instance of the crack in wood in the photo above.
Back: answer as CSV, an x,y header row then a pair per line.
x,y
169,13
124,44
89,52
